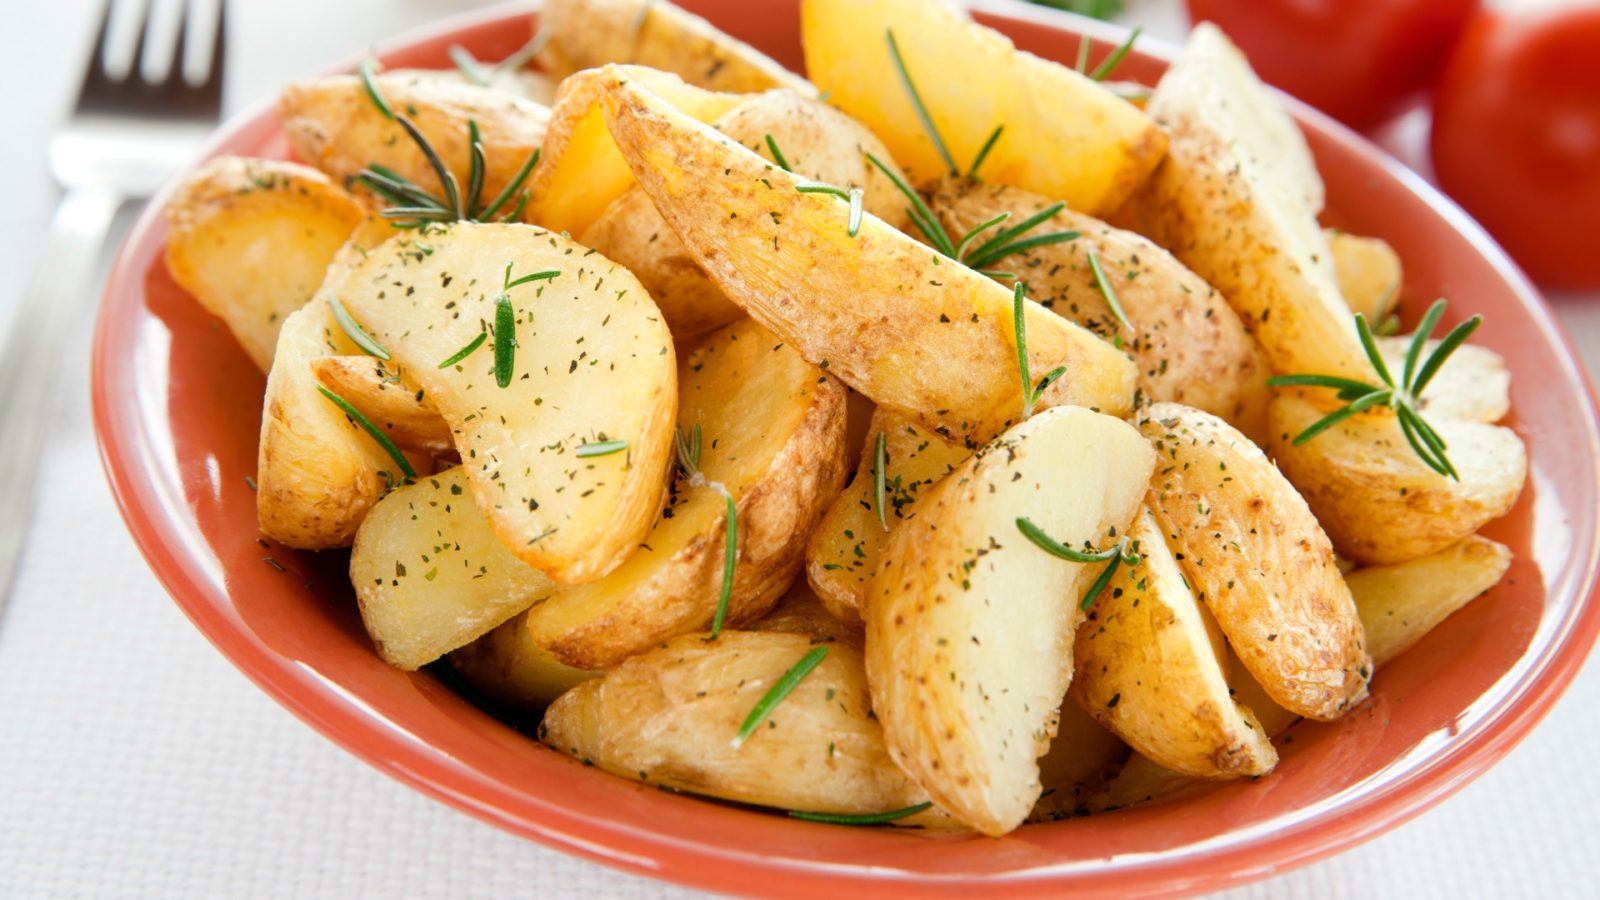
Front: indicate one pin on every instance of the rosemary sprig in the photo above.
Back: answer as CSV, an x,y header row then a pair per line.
x,y
777,155
1106,290
1404,396
353,330
368,71
880,465
854,196
1122,553
1110,63
781,689
600,448
868,819
1030,391
374,431
917,104
688,449
983,152
505,340
466,351
481,75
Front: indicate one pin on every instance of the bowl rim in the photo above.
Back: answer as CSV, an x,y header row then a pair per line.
x,y
156,524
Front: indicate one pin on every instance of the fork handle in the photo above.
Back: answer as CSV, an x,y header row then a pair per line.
x,y
30,359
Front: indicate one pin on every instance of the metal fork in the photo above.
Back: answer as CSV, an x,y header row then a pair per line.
x,y
125,137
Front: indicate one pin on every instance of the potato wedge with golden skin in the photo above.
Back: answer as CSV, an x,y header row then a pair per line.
x,y
586,34
842,555
970,626
251,239
1377,500
1065,135
669,717
913,331
592,362
580,170
816,140
1472,386
1403,602
772,435
1187,342
1237,200
1146,669
801,611
1257,558
1083,756
430,576
317,472
1369,273
380,391
333,124
511,670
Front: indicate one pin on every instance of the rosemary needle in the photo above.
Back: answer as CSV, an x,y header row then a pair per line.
x,y
1030,391
600,448
505,340
730,558
354,331
777,155
1106,290
466,351
369,82
1111,62
868,819
377,434
917,104
880,463
983,153
1116,555
784,686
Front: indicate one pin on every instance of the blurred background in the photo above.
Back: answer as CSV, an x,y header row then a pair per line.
x,y
135,761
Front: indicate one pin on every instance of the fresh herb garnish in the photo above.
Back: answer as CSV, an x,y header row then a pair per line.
x,y
868,819
466,351
777,155
1119,554
505,340
468,65
917,104
1096,9
377,434
854,196
880,465
688,448
1030,391
1405,398
1110,63
481,75
1106,290
354,332
779,690
983,152
600,448
367,71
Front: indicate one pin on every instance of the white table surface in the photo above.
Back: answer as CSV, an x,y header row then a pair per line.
x,y
135,761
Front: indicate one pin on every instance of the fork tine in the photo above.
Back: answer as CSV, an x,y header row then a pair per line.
x,y
212,86
176,67
146,22
94,72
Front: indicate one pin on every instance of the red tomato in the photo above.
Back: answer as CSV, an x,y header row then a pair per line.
x,y
1516,136
1356,60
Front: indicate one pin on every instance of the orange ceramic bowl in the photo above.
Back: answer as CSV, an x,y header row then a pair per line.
x,y
177,406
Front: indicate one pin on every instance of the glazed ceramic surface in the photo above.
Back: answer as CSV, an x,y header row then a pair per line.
x,y
177,406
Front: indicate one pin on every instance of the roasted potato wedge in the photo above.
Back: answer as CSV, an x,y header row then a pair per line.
x,y
334,125
816,140
251,239
1369,274
772,438
1147,670
1473,385
592,362
429,574
1237,201
1403,602
1187,342
381,392
1083,756
970,626
510,669
1255,555
581,172
529,84
317,472
843,553
1065,135
1377,499
801,611
669,717
586,34
916,333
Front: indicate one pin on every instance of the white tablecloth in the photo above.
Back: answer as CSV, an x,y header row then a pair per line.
x,y
135,761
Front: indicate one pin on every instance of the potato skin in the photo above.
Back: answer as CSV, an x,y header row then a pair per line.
x,y
773,436
1146,670
332,124
1187,342
1401,603
800,611
1236,201
1369,273
817,141
1259,560
843,552
669,716
384,396
1379,503
506,666
251,239
585,34
926,338
970,626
